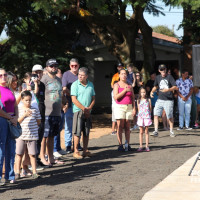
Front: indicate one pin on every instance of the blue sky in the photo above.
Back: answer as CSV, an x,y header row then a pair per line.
x,y
173,17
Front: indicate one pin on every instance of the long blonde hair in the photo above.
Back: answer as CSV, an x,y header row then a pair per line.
x,y
9,81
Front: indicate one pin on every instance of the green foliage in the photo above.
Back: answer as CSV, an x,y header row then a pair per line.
x,y
164,30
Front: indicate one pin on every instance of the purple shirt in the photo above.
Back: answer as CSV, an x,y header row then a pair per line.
x,y
7,99
67,80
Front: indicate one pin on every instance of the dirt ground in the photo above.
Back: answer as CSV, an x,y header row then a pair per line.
x,y
109,174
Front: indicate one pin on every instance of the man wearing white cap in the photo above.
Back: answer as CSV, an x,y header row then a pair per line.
x,y
37,69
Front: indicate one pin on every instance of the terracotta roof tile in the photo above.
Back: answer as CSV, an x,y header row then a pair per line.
x,y
165,37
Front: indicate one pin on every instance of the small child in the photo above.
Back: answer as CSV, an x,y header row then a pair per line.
x,y
29,118
144,117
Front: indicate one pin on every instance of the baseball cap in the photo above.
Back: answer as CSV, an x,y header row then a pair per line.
x,y
119,65
51,62
37,67
162,67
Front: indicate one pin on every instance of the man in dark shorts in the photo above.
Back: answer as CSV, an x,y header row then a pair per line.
x,y
166,85
53,91
83,98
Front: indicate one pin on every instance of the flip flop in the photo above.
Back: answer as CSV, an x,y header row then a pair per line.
x,y
58,162
45,165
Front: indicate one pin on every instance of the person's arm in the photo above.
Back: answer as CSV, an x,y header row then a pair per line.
x,y
133,85
118,95
77,103
133,102
190,93
138,106
150,106
173,83
66,91
26,113
36,90
153,90
92,103
38,121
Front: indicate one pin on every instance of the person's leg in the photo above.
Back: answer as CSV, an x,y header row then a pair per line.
x,y
181,109
188,105
127,130
171,124
18,162
156,123
43,151
76,142
3,138
85,143
33,163
147,136
120,125
141,136
113,126
68,127
164,120
10,158
50,142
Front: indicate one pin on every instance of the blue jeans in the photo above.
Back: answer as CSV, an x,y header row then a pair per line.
x,y
184,108
68,127
7,150
57,146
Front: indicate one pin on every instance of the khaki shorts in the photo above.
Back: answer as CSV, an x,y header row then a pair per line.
x,y
22,144
123,111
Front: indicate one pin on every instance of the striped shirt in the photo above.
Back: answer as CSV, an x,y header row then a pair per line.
x,y
29,124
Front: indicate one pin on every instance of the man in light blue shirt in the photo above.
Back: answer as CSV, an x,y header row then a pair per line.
x,y
83,98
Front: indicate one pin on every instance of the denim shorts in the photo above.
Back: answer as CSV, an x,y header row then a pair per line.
x,y
167,105
52,126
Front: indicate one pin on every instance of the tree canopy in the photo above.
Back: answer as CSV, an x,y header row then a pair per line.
x,y
164,30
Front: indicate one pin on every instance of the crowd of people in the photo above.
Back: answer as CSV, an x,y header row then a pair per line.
x,y
47,100
161,96
42,104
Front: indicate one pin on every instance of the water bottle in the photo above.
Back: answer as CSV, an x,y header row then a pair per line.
x,y
126,146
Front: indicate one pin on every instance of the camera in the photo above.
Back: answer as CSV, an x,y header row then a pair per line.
x,y
34,77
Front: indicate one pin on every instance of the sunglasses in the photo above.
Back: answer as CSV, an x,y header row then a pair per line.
x,y
162,69
5,75
73,65
52,66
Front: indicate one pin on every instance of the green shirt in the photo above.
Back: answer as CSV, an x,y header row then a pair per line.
x,y
83,94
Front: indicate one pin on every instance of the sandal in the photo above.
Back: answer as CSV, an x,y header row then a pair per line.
x,y
25,173
17,176
35,176
58,162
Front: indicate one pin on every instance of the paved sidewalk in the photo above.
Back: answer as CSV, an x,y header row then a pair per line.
x,y
178,185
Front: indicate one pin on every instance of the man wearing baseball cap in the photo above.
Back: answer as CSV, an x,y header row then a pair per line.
x,y
165,84
38,69
53,93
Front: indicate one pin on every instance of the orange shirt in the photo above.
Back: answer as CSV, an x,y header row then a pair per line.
x,y
114,78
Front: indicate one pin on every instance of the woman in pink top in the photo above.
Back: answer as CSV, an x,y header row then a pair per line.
x,y
125,109
8,111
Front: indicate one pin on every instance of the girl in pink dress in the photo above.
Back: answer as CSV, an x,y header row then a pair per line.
x,y
144,117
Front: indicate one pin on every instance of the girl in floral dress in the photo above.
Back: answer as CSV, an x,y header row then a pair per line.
x,y
144,118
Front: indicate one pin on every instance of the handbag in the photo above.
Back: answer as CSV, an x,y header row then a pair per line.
x,y
15,131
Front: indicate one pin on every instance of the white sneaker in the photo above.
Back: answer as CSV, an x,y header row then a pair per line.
x,y
188,128
57,154
172,134
62,152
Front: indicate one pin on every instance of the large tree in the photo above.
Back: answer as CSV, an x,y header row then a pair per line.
x,y
107,19
37,28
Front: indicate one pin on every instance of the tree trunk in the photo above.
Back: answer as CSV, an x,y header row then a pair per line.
x,y
148,50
